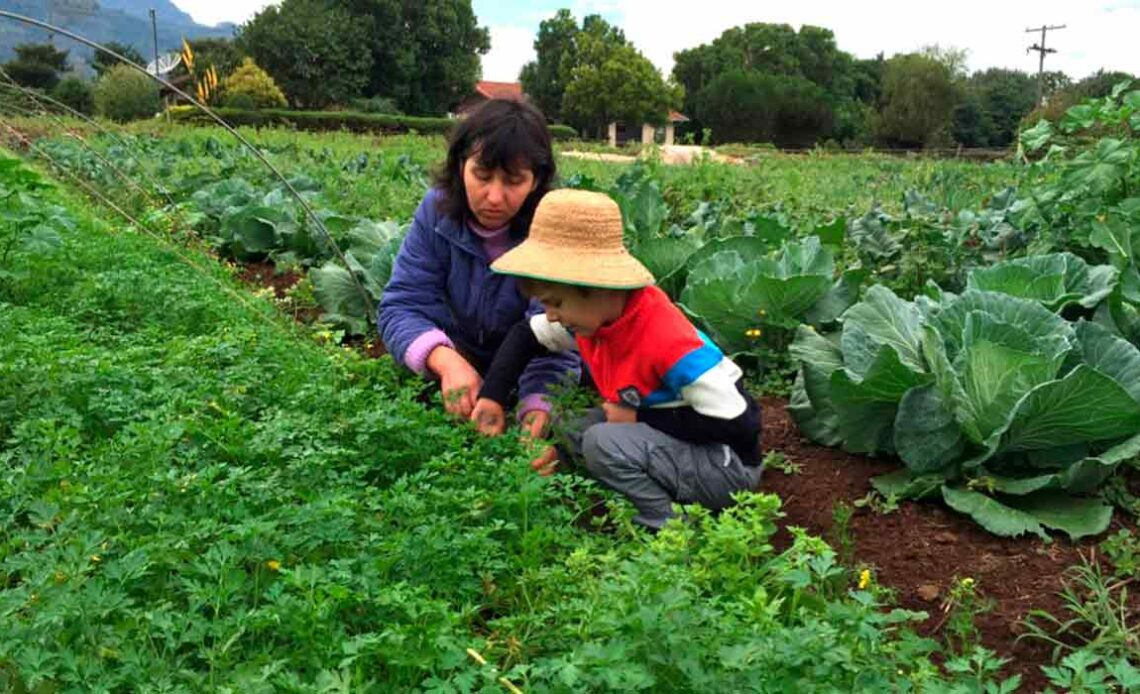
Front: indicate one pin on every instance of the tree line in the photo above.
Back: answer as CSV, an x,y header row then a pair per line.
x,y
754,83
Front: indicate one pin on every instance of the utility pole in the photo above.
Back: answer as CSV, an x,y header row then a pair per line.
x,y
154,31
1042,50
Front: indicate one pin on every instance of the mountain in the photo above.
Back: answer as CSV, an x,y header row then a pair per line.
x,y
125,21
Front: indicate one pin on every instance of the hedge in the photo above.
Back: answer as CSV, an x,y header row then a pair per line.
x,y
335,120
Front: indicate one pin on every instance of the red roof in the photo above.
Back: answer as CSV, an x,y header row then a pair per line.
x,y
676,117
499,90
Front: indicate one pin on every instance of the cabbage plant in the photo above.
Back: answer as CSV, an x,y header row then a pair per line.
x,y
991,399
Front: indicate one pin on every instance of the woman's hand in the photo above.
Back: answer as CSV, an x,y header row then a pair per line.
x,y
535,423
489,417
459,381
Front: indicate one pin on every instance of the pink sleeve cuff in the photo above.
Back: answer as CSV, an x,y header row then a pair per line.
x,y
535,402
417,353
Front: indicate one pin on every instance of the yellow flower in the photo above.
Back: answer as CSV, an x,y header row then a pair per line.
x,y
753,333
95,559
273,565
762,313
864,579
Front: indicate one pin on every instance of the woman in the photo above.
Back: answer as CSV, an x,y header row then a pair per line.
x,y
444,313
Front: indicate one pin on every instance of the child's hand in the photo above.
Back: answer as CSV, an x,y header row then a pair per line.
x,y
489,417
546,463
619,414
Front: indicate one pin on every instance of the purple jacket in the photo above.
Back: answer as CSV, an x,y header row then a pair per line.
x,y
442,281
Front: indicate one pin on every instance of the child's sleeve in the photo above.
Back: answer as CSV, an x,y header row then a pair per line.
x,y
528,339
715,408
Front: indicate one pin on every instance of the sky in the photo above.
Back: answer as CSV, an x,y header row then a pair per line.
x,y
1098,33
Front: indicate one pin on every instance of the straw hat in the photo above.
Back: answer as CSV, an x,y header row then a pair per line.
x,y
576,238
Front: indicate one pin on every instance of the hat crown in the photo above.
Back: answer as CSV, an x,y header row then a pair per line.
x,y
580,219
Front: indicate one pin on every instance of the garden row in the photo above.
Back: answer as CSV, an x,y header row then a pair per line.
x,y
196,495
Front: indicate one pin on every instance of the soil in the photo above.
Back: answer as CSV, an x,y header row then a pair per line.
x,y
264,274
919,549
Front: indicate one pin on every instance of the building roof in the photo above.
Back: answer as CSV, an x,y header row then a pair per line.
x,y
677,117
499,90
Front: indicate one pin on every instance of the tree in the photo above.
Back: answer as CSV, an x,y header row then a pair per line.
x,y
425,53
544,79
751,106
955,59
626,87
1006,96
317,53
252,85
740,106
104,61
125,94
223,54
836,103
561,48
1098,85
917,101
37,65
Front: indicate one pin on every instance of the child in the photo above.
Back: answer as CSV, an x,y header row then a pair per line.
x,y
676,425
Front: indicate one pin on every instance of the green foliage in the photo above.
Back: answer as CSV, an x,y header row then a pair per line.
x,y
750,106
104,61
995,102
284,40
797,86
425,55
544,79
616,83
200,490
376,104
1099,626
917,101
124,94
255,84
223,54
37,65
76,93
561,48
1019,412
28,224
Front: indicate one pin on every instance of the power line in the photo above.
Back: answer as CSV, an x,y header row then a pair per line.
x,y
1042,50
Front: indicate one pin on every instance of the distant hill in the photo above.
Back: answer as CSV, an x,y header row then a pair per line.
x,y
125,21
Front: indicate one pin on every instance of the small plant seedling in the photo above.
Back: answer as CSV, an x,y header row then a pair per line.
x,y
962,607
840,535
777,460
878,503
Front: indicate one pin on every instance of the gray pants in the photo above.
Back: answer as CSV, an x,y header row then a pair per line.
x,y
655,470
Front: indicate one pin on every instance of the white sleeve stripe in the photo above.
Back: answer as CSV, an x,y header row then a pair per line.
x,y
552,336
714,394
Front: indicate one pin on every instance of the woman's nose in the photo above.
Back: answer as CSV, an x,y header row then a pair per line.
x,y
495,191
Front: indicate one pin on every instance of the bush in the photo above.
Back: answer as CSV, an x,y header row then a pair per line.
x,y
376,104
125,94
75,93
251,81
320,121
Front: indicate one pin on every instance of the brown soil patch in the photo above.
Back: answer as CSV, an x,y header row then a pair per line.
x,y
920,548
264,274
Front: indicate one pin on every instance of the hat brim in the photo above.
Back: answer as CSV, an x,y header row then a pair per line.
x,y
604,270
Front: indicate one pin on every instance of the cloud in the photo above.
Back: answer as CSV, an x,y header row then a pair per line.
x,y
511,48
211,12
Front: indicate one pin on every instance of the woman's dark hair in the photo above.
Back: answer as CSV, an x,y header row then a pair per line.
x,y
507,134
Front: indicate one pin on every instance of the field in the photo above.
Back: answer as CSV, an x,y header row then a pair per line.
x,y
211,482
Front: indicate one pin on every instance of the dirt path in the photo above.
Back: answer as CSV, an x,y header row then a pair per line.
x,y
920,548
